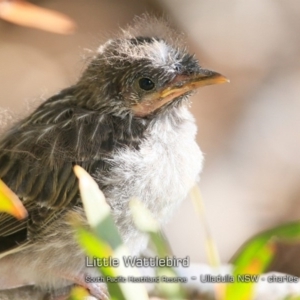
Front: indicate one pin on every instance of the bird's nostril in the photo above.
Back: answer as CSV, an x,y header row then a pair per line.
x,y
177,68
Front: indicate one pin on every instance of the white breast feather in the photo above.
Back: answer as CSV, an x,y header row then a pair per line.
x,y
160,173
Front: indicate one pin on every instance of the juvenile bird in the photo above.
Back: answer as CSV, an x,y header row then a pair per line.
x,y
126,121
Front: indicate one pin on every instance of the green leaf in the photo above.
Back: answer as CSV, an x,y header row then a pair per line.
x,y
10,203
254,257
97,210
145,222
286,232
104,241
78,293
95,247
250,264
292,297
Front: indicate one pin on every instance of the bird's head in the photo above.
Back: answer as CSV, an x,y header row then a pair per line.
x,y
143,75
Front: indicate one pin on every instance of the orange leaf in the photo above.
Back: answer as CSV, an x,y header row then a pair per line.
x,y
27,14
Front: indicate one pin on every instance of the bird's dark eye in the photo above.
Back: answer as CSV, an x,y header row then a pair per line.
x,y
146,84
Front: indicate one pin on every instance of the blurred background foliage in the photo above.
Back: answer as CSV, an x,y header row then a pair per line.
x,y
101,239
248,129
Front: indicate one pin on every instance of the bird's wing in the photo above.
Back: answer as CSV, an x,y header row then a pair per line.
x,y
36,162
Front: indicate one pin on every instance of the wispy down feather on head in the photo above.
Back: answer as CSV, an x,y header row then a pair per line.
x,y
167,44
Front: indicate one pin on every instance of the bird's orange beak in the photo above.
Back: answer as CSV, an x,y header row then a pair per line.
x,y
179,86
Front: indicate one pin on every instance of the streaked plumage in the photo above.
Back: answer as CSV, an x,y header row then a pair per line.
x,y
136,142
